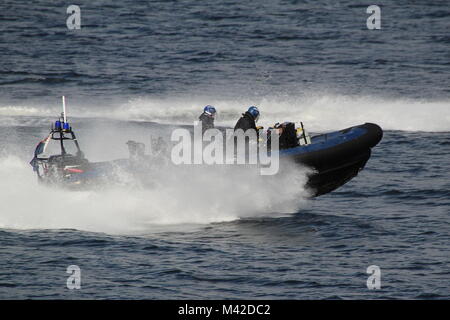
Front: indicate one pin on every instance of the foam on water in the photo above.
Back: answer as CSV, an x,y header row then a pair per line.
x,y
183,196
320,112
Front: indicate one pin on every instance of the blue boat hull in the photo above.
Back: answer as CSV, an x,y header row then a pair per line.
x,y
336,157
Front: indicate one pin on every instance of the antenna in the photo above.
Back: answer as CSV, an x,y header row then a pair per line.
x,y
64,108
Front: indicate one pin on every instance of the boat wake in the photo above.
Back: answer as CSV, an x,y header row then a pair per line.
x,y
319,111
173,197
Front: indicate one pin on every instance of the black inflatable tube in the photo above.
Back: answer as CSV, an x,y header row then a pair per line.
x,y
335,165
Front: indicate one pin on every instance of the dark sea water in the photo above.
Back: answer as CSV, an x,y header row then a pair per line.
x,y
137,69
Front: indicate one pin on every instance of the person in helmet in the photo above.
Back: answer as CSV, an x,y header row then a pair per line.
x,y
207,118
248,120
287,135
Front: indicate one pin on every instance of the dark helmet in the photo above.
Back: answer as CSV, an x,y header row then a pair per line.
x,y
254,112
210,110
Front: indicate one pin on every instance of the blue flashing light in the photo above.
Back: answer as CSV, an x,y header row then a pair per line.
x,y
66,126
57,125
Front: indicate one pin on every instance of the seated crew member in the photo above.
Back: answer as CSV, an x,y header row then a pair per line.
x,y
288,135
207,118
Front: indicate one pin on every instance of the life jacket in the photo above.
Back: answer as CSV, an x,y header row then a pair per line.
x,y
246,122
288,137
207,121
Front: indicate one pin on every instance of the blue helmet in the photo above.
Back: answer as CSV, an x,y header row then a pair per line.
x,y
209,110
254,112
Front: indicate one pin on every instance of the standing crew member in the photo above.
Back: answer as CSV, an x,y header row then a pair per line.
x,y
207,118
248,120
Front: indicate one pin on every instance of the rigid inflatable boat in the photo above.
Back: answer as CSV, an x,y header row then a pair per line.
x,y
335,158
